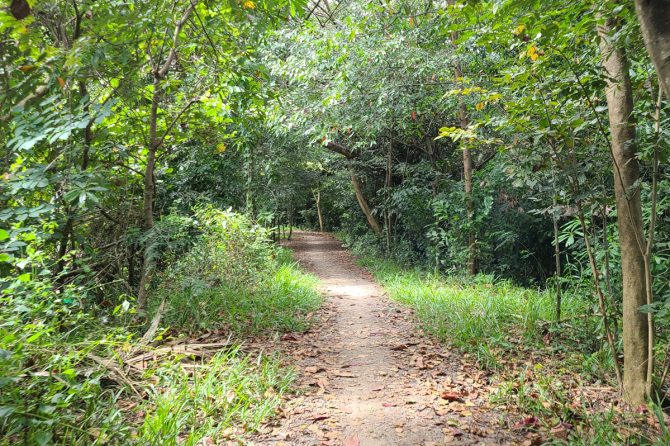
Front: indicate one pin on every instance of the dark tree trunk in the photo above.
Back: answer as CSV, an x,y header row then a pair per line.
x,y
654,17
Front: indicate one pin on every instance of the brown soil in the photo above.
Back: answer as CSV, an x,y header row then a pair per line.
x,y
372,378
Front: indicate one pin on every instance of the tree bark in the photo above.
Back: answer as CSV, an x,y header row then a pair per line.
x,y
389,163
636,327
467,177
148,199
436,188
374,224
149,174
250,171
467,161
318,209
654,17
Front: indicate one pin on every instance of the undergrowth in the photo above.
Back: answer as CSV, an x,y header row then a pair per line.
x,y
64,359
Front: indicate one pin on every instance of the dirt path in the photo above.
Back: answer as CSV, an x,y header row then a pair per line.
x,y
373,379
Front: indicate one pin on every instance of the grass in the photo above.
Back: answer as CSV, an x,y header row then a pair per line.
x,y
490,319
278,300
221,399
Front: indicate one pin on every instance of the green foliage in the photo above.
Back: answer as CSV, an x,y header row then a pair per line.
x,y
235,278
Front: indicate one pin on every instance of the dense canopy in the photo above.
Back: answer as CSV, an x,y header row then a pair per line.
x,y
154,154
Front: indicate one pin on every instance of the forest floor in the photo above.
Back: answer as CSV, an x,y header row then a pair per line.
x,y
372,377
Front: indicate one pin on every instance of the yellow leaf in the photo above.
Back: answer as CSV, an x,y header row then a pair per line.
x,y
27,68
479,106
249,5
221,148
519,29
61,82
533,56
411,22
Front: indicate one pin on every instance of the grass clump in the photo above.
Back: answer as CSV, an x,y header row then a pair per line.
x,y
220,399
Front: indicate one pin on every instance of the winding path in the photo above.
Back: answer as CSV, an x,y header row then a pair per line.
x,y
373,379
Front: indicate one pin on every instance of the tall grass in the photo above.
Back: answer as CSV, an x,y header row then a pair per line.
x,y
221,399
493,319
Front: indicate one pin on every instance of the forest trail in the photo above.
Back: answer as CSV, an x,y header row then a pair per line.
x,y
373,378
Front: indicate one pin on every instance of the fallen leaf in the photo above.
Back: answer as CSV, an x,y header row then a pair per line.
x,y
419,363
351,441
451,396
389,404
377,389
400,347
319,416
451,431
230,395
289,337
641,409
345,409
528,422
560,433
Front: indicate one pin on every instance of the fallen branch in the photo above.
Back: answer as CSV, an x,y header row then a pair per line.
x,y
107,364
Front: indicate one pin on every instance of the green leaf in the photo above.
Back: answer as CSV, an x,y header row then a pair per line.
x,y
43,438
6,411
3,234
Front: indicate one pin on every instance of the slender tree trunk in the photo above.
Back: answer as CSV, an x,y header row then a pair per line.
x,y
154,142
601,298
608,282
250,171
637,329
389,162
436,188
374,224
654,17
131,266
557,252
467,177
558,270
148,199
318,208
467,161
290,221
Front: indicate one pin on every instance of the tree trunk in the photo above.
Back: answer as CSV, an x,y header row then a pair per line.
x,y
467,177
318,209
557,252
467,161
154,143
654,17
148,200
374,224
436,188
290,221
636,330
250,171
389,163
